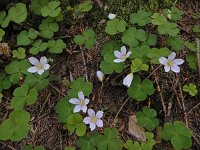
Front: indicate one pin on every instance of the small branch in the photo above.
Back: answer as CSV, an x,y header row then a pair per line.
x,y
85,67
44,103
153,71
57,89
193,108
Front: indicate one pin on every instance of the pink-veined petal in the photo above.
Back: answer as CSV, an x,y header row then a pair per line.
x,y
33,61
77,108
167,68
86,120
178,61
32,69
128,54
118,60
84,108
43,60
46,66
175,68
92,126
123,50
163,60
171,56
128,80
81,95
99,123
74,101
99,114
117,54
87,101
40,72
91,112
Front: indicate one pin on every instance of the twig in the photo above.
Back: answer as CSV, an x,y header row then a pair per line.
x,y
44,103
193,108
154,71
120,110
57,89
198,55
85,67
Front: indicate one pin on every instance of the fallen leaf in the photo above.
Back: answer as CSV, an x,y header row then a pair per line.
x,y
4,49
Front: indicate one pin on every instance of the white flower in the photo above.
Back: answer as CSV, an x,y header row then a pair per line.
x,y
128,79
171,63
81,102
111,16
39,66
100,75
94,119
121,56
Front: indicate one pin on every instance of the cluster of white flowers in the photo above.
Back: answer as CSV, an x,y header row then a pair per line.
x,y
81,104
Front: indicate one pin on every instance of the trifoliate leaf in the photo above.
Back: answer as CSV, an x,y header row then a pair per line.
x,y
175,42
141,18
191,88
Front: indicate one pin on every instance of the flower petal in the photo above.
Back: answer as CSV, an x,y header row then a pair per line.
x,y
171,56
81,95
40,72
111,16
167,68
100,75
118,60
87,101
128,54
43,60
163,60
74,101
175,68
33,61
117,54
123,50
92,126
46,66
99,114
128,80
86,120
77,108
32,69
91,112
99,123
178,61
84,108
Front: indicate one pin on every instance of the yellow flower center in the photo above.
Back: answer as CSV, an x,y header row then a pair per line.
x,y
40,66
82,103
123,57
94,119
170,63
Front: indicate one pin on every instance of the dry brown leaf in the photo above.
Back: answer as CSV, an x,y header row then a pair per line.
x,y
4,49
135,130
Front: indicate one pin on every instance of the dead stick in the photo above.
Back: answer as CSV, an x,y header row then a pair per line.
x,y
193,108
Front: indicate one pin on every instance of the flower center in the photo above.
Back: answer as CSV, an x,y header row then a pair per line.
x,y
123,57
82,103
94,119
40,66
170,63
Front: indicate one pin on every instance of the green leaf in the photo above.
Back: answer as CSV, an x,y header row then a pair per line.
x,y
168,28
114,26
141,18
84,7
129,37
158,19
140,52
174,14
137,66
190,45
191,88
56,46
69,148
37,5
51,10
176,43
192,60
18,13
19,53
196,29
38,46
151,40
87,143
2,33
4,82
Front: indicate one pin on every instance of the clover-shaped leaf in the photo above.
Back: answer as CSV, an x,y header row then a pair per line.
x,y
2,33
4,82
155,53
140,89
18,13
191,88
137,65
151,40
26,37
83,7
47,29
88,142
87,38
114,26
196,29
158,19
109,140
142,18
190,45
51,10
38,46
23,95
75,123
19,53
56,46
168,28
192,60
140,52
17,69
178,134
146,118
64,109
37,5
16,127
175,42
2,16
174,14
